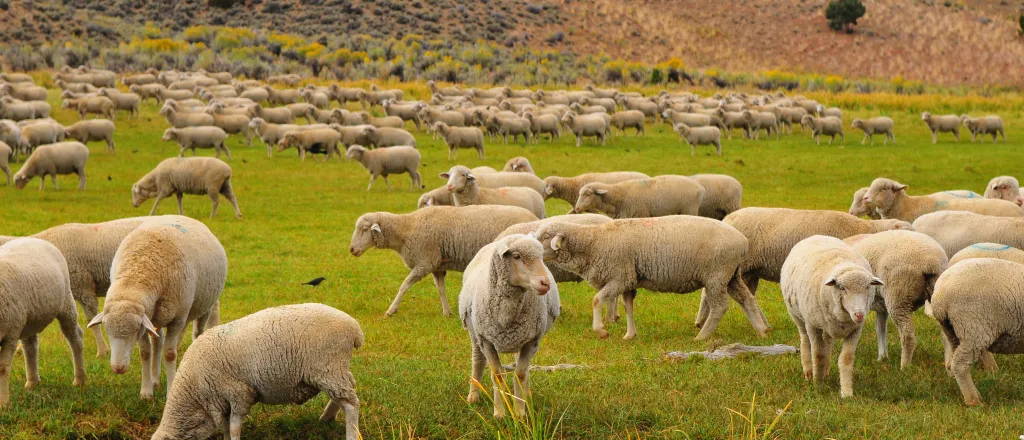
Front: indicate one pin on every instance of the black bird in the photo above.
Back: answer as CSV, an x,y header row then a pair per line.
x,y
109,179
314,282
244,161
135,151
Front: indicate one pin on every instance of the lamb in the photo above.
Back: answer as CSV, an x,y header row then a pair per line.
x,y
460,137
543,123
384,161
828,287
434,240
189,175
873,126
164,275
568,188
388,137
828,126
722,195
978,304
629,119
656,197
91,131
35,291
700,136
321,140
508,302
909,263
890,200
558,273
942,124
621,256
5,153
1005,188
466,192
762,120
956,230
124,101
281,96
581,126
54,159
519,164
198,137
984,126
184,120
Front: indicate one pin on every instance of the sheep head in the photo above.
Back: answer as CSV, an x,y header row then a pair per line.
x,y
521,258
125,322
855,290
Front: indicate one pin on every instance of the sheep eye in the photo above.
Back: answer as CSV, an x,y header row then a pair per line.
x,y
516,256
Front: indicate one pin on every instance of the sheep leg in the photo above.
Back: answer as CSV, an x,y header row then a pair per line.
x,y
81,178
156,202
893,136
494,362
226,151
146,356
110,145
414,276
181,153
174,333
717,304
439,282
373,177
7,347
627,301
805,351
988,362
963,357
53,178
229,194
935,138
609,291
846,356
214,198
238,413
385,176
68,320
480,153
702,309
476,372
30,346
748,303
908,339
881,330
718,146
158,343
819,354
522,385
866,136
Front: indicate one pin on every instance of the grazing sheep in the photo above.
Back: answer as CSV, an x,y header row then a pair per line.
x,y
514,126
673,117
873,126
98,105
139,79
384,161
270,133
318,99
281,96
722,195
761,120
434,240
1005,188
466,192
344,117
187,175
38,132
164,275
984,126
16,110
17,77
543,123
352,135
677,254
581,126
224,373
788,116
54,159
909,263
699,136
828,287
35,290
942,124
834,112
345,95
629,119
388,137
734,120
124,101
519,164
316,115
198,137
5,153
321,140
559,274
890,199
956,230
441,195
508,301
828,126
257,94
91,131
233,124
460,137
184,120
586,110
23,91
568,188
656,197
276,115
406,111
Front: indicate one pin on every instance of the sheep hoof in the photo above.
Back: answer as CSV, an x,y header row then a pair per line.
x,y
601,333
390,312
78,382
974,403
146,395
807,375
472,398
629,336
30,384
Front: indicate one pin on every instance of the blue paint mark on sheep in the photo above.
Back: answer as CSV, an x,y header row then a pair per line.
x,y
178,226
941,205
963,194
984,247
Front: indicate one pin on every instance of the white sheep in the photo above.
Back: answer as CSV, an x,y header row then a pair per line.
x,y
722,195
35,290
388,136
320,140
91,131
186,175
384,161
828,288
518,164
501,179
984,126
956,230
762,120
1005,188
873,126
53,159
656,197
198,137
225,372
890,199
699,136
568,188
466,191
559,273
581,126
543,123
164,275
509,300
460,137
5,153
828,126
942,124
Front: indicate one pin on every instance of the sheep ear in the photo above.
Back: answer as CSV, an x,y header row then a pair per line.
x,y
444,176
831,282
430,201
600,192
376,228
502,249
470,176
901,187
149,326
549,190
556,242
877,282
95,321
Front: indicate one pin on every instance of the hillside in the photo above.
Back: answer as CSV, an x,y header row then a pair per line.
x,y
948,42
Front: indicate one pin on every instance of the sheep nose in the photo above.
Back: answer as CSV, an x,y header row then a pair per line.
x,y
859,316
119,369
545,285
450,188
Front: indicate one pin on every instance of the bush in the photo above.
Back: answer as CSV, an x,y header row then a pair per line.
x,y
843,14
225,4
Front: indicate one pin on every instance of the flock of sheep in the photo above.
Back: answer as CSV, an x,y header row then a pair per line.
x,y
958,250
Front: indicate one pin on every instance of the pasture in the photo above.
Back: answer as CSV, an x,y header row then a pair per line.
x,y
413,371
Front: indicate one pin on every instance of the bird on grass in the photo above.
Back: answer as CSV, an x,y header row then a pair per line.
x,y
314,282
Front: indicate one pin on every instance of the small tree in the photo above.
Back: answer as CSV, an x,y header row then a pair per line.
x,y
843,14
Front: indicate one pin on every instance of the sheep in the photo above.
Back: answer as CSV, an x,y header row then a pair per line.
x,y
92,130
430,116
276,115
124,101
988,250
185,120
543,123
434,240
620,256
384,161
483,170
388,137
352,135
508,302
224,373
586,110
909,263
163,94
5,153
186,175
734,120
956,230
587,125
873,126
38,133
656,197
788,116
314,114
645,105
558,273
23,91
281,96
54,159
290,79
139,79
890,199
16,77
761,120
321,140
164,275
233,124
346,95
198,137
568,188
386,121
16,110
942,124
184,84
257,94
828,287
344,117
518,164
514,126
722,195
271,134
318,99
460,137
406,111
828,126
629,119
466,192
834,112
858,208
673,117
377,97
699,136
1005,188
983,126
441,195
36,290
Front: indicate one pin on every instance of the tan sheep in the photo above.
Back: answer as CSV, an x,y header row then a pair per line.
x,y
1005,188
388,137
5,153
124,101
198,137
281,96
828,126
942,124
890,199
466,192
384,161
186,175
629,119
178,119
543,123
722,195
984,126
91,131
656,197
460,137
596,125
873,126
568,188
322,140
700,136
54,159
761,121
518,164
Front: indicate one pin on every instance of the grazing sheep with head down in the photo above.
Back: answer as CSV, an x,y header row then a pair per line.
x,y
699,136
828,126
225,373
761,121
1005,188
186,175
51,160
466,191
98,105
827,287
984,126
656,197
873,126
519,164
434,240
384,161
124,101
91,131
35,291
514,126
889,198
942,124
460,137
509,300
543,123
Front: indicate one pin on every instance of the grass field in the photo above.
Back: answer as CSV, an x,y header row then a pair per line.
x,y
413,370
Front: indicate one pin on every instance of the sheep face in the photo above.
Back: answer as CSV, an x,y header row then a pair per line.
x,y
125,322
926,116
287,142
518,164
355,152
591,199
458,178
20,181
882,193
554,238
858,208
855,290
523,257
365,234
1005,188
857,123
170,134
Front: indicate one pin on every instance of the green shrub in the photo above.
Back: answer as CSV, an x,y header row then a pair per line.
x,y
843,14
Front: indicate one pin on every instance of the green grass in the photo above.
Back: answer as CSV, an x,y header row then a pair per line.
x,y
413,371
